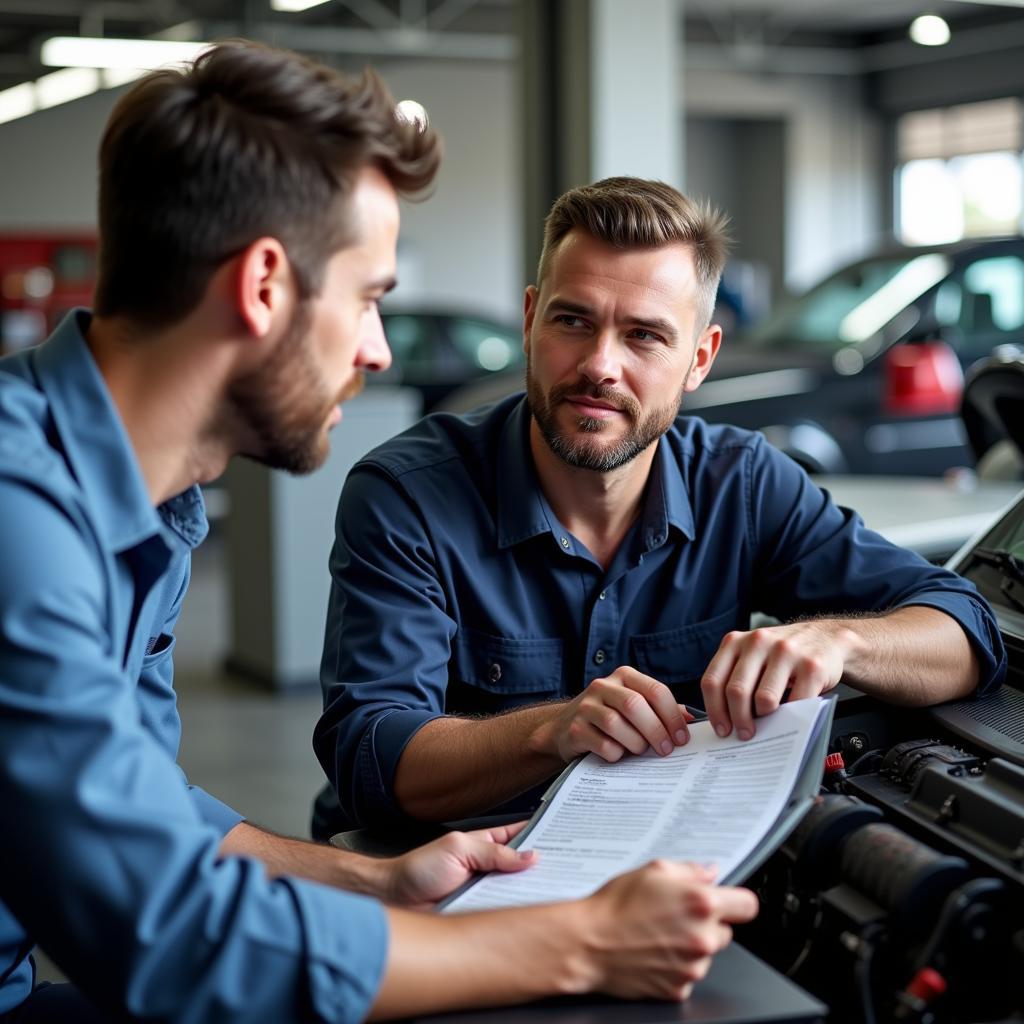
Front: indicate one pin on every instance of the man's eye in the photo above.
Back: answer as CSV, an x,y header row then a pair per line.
x,y
639,334
568,320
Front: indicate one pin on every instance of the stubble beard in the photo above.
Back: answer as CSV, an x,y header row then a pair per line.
x,y
582,452
285,404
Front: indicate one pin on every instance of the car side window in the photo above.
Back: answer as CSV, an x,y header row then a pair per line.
x,y
983,306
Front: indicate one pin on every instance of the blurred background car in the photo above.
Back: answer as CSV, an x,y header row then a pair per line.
x,y
864,372
436,351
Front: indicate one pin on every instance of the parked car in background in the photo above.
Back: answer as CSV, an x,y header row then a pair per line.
x,y
436,351
864,372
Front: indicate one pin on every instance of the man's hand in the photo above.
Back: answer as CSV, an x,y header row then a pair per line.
x,y
625,712
658,928
753,672
423,876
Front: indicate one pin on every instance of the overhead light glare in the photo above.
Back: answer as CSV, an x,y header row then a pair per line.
x,y
66,85
18,101
929,30
117,54
113,77
294,5
412,112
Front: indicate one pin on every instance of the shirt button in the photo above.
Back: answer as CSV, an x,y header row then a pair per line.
x,y
565,542
598,657
495,672
601,596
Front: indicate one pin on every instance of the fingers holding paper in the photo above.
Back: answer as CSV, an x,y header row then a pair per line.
x,y
429,873
661,926
754,672
626,712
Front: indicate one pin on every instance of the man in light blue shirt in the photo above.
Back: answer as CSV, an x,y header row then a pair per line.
x,y
248,221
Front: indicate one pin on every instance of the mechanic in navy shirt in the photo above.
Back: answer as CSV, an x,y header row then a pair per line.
x,y
557,574
248,216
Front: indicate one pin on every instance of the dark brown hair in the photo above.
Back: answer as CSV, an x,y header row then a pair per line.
x,y
633,213
248,141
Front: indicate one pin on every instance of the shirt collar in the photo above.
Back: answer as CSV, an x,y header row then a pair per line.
x,y
523,511
97,448
522,508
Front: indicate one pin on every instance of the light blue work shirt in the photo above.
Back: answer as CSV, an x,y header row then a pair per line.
x,y
108,857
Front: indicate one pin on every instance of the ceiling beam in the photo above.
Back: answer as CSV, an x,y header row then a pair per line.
x,y
123,10
827,60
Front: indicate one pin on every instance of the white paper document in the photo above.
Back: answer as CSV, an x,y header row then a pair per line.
x,y
711,801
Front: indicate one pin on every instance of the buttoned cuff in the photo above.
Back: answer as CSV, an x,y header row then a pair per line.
x,y
981,629
346,950
213,812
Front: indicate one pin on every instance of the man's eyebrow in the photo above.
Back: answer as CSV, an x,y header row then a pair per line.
x,y
557,305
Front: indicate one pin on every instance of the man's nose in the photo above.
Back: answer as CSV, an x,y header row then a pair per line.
x,y
601,362
374,353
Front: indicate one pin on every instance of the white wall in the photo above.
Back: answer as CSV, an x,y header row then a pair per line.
x,y
462,246
48,166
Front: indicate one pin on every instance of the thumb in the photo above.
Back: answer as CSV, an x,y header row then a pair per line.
x,y
484,855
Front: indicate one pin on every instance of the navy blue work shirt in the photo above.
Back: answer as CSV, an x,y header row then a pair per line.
x,y
108,857
456,590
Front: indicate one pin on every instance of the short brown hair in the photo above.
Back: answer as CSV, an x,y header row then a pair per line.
x,y
198,162
633,213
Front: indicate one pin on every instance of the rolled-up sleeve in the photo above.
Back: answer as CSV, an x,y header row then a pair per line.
x,y
816,558
387,643
108,861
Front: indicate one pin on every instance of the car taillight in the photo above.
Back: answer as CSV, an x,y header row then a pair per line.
x,y
922,378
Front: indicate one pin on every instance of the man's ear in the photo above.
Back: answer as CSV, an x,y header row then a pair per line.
x,y
703,357
264,285
529,311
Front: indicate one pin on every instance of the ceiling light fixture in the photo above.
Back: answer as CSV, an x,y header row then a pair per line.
x,y
929,30
294,5
18,101
66,85
126,54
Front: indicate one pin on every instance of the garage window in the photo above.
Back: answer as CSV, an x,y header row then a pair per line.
x,y
959,172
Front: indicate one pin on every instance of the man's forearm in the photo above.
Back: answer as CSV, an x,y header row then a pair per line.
x,y
438,963
455,767
915,655
317,862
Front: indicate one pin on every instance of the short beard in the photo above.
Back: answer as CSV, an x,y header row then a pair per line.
x,y
583,453
285,405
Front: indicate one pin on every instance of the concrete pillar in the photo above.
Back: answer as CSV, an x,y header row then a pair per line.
x,y
600,96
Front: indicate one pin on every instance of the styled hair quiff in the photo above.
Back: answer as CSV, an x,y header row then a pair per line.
x,y
199,161
634,213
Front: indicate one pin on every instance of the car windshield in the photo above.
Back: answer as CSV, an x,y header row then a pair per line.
x,y
996,565
853,305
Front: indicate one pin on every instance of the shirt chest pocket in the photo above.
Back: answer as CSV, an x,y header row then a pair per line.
x,y
679,656
505,666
